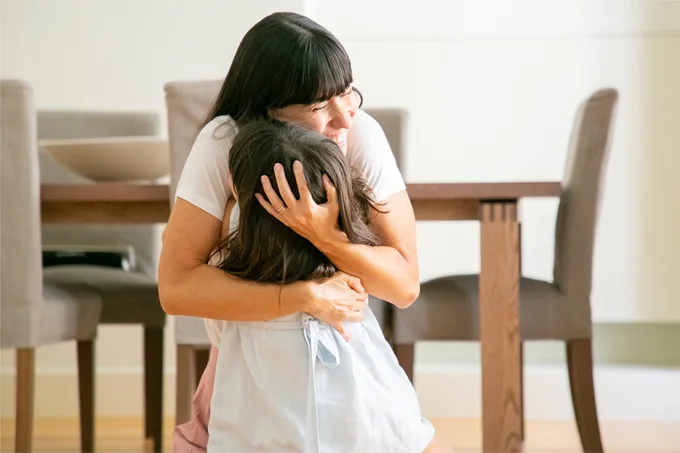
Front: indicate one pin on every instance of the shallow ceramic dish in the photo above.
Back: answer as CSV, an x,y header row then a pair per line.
x,y
115,159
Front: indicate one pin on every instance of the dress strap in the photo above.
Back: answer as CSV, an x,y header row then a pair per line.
x,y
322,346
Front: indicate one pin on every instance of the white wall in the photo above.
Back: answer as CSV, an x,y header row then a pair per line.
x,y
491,86
118,54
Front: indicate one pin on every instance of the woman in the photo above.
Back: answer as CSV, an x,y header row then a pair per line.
x,y
289,68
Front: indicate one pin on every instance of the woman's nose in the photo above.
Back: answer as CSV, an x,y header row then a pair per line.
x,y
343,117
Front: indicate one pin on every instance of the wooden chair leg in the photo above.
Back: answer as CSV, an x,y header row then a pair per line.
x,y
522,427
201,358
86,394
153,386
406,355
521,389
580,364
388,327
25,388
186,382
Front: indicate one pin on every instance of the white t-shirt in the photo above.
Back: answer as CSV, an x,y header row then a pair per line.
x,y
205,176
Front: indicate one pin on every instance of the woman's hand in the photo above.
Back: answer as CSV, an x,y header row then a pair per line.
x,y
340,298
308,219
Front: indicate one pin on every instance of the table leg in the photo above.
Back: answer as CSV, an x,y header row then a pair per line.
x,y
499,328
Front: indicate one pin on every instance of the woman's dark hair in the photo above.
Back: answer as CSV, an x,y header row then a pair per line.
x,y
264,249
284,59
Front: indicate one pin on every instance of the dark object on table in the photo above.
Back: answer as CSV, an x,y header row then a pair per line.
x,y
115,257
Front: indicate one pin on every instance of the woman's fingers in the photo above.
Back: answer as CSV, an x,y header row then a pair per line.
x,y
331,194
284,188
269,191
354,316
351,281
270,209
341,330
347,316
354,283
301,181
358,305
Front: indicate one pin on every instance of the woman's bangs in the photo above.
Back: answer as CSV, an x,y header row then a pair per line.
x,y
320,72
333,72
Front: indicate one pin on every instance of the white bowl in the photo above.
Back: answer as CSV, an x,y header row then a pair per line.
x,y
114,159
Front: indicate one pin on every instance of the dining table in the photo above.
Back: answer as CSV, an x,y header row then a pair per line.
x,y
493,204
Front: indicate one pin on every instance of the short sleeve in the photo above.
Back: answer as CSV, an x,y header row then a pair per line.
x,y
204,181
369,152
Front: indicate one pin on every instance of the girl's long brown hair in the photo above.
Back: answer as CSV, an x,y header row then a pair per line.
x,y
264,249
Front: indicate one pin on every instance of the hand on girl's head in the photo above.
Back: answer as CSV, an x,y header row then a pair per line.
x,y
303,215
296,208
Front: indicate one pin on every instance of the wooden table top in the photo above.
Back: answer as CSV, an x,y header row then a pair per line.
x,y
103,192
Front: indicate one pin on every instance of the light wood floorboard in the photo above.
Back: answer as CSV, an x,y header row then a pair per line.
x,y
125,435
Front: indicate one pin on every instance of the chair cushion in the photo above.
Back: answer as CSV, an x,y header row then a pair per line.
x,y
128,297
448,309
71,312
66,313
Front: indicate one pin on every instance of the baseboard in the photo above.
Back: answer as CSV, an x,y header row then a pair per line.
x,y
119,392
445,391
622,393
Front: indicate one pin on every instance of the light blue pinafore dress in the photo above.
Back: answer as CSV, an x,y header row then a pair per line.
x,y
295,384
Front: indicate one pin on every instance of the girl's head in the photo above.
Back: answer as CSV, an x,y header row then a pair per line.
x,y
264,249
290,68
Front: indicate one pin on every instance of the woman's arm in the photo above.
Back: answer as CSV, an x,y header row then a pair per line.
x,y
188,286
389,272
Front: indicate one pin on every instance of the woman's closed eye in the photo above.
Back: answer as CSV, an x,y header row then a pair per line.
x,y
320,107
341,100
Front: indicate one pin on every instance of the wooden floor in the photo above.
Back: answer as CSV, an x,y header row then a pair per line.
x,y
124,435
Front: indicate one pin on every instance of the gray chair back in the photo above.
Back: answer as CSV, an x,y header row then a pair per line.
x,y
21,284
188,104
393,122
579,205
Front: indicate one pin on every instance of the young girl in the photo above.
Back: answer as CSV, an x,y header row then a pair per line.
x,y
295,384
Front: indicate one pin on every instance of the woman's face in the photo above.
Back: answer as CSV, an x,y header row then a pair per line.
x,y
332,118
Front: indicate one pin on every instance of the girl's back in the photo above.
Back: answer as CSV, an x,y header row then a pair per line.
x,y
305,387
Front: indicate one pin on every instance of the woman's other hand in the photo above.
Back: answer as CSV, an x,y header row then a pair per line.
x,y
308,219
340,298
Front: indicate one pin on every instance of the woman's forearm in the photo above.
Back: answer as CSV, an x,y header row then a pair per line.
x,y
383,271
208,292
